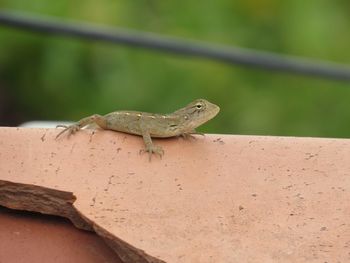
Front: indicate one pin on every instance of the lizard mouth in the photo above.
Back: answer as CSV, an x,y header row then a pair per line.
x,y
213,110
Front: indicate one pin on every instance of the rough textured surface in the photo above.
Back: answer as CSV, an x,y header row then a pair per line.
x,y
220,198
44,200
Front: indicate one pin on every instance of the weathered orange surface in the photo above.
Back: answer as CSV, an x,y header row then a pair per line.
x,y
221,198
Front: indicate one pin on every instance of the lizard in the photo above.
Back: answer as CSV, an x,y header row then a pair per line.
x,y
182,122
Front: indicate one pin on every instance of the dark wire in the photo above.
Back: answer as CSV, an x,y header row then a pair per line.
x,y
231,55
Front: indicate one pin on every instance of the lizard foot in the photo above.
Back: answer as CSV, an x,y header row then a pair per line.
x,y
153,149
71,129
189,135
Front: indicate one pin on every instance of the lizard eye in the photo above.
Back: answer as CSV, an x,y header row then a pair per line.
x,y
198,106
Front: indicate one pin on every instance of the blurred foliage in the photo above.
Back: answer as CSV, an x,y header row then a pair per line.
x,y
46,77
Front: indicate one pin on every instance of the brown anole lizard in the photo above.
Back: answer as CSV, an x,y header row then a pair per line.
x,y
182,122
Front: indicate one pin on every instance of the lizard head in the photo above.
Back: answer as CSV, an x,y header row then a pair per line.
x,y
198,112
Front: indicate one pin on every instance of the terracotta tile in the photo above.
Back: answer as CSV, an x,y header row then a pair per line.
x,y
30,237
221,198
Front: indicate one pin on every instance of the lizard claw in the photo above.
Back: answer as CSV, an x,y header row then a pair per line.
x,y
71,129
153,149
187,136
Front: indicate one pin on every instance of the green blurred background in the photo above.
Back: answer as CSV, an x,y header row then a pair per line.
x,y
55,78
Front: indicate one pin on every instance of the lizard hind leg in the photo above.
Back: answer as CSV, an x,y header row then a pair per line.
x,y
71,129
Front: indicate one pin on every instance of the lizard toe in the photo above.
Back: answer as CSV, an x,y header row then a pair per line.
x,y
187,136
154,149
71,129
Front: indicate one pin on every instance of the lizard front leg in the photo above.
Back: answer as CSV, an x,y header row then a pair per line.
x,y
189,134
71,129
150,147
